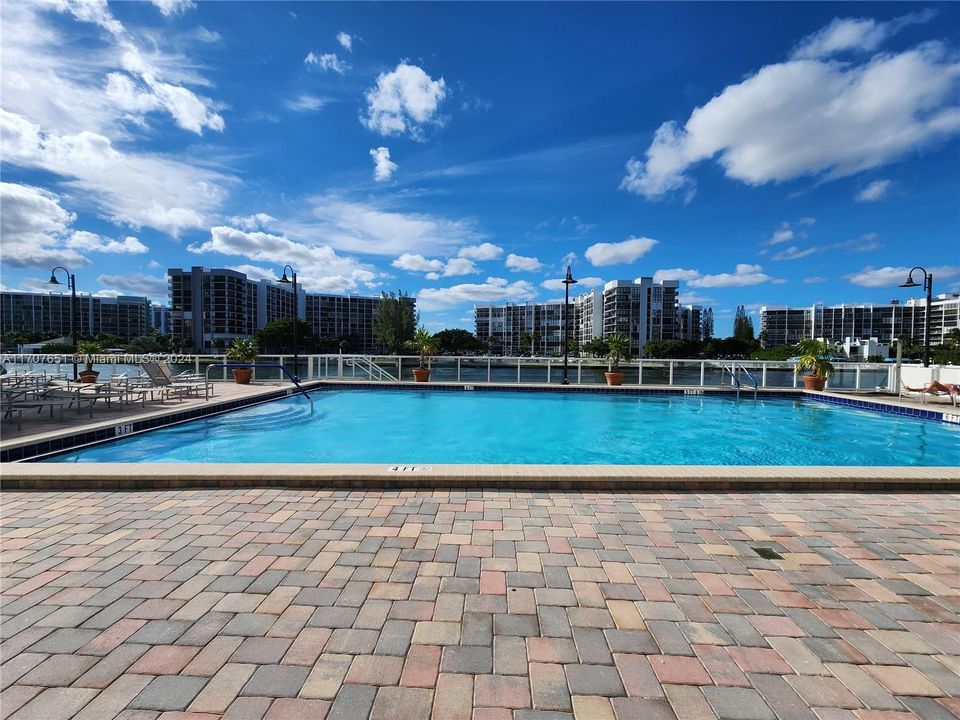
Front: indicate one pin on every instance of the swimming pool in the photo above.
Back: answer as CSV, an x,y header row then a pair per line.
x,y
410,426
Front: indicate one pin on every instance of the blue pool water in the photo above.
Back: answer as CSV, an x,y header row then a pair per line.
x,y
379,426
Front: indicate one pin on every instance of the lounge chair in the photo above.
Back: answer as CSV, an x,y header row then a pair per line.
x,y
932,389
186,377
172,388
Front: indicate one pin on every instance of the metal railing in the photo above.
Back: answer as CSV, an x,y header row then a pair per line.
x,y
526,370
254,366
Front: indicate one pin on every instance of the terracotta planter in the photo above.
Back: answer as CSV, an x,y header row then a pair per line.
x,y
421,375
88,376
614,378
243,375
814,382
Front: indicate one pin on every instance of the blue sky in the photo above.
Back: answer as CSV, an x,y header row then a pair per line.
x,y
782,153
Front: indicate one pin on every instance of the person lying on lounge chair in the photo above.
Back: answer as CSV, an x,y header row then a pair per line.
x,y
934,386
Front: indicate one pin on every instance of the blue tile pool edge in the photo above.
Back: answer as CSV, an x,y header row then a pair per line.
x,y
42,450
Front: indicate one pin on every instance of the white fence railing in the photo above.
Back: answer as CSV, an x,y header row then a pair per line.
x,y
523,370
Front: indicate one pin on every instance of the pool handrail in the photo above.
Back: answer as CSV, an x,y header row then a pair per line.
x,y
275,366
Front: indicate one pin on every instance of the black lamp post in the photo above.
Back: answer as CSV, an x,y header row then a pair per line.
x,y
567,282
296,320
72,284
928,286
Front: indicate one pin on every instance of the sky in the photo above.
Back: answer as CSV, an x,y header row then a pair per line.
x,y
762,154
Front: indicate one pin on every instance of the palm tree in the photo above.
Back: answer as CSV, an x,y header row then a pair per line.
x,y
618,348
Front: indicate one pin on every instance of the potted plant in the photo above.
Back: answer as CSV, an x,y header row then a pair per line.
x,y
422,343
243,350
618,349
88,374
813,361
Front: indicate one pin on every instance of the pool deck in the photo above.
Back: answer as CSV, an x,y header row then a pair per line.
x,y
133,476
280,604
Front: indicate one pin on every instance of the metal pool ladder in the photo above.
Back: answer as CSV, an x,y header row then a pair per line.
x,y
735,381
276,366
374,371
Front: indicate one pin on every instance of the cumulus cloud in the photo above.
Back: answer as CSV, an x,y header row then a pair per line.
x,y
519,263
32,225
582,284
620,253
744,274
138,189
318,265
854,35
138,284
493,290
345,40
876,190
675,274
808,117
892,276
372,228
403,101
91,242
417,263
327,62
483,251
383,166
254,272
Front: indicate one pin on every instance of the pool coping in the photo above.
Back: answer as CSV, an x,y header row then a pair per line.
x,y
22,473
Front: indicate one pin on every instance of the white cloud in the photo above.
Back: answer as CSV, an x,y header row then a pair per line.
x,y
251,222
404,101
794,253
460,266
744,274
373,229
808,117
519,263
854,34
417,263
383,166
305,103
483,251
345,40
328,62
138,189
784,234
66,87
619,253
91,242
692,298
874,191
137,284
892,276
320,268
675,274
173,7
32,225
256,272
493,290
582,284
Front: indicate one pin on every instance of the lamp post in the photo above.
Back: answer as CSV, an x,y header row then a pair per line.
x,y
296,320
928,286
72,284
567,282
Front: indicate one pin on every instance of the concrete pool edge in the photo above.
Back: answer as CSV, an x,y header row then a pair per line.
x,y
166,476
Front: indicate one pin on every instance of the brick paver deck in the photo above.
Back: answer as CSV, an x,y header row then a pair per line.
x,y
479,605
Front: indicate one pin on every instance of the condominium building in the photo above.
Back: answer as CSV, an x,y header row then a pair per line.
x,y
348,317
691,322
782,325
206,304
643,309
160,319
125,316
